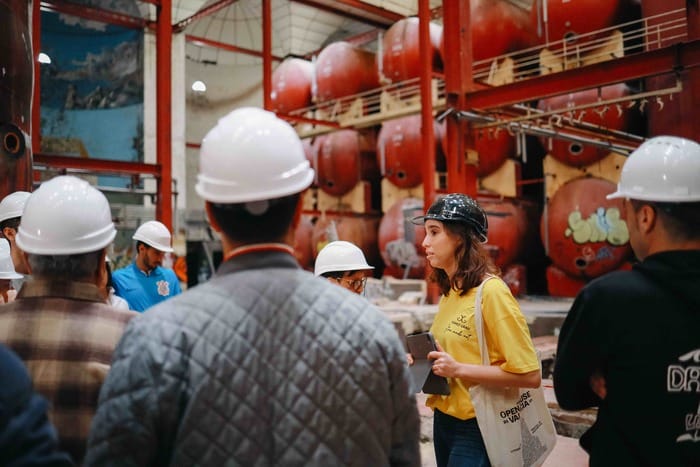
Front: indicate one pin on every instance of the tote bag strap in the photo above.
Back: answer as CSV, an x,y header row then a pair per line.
x,y
479,322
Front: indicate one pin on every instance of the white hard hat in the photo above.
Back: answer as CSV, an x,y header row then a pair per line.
x,y
154,234
7,268
66,216
12,205
340,256
251,155
664,169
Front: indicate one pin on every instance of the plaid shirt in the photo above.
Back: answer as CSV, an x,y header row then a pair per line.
x,y
65,334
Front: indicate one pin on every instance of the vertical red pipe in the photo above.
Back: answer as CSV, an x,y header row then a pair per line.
x,y
427,130
693,14
461,177
426,100
35,128
267,54
164,30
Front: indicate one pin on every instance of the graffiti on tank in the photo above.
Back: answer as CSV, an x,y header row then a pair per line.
x,y
684,378
604,225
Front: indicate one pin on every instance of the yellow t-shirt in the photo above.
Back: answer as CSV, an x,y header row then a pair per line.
x,y
507,338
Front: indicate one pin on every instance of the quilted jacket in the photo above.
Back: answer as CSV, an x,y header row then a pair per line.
x,y
263,365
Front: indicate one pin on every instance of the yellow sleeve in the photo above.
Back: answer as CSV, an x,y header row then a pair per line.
x,y
507,334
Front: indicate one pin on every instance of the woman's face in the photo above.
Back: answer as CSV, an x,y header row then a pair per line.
x,y
440,247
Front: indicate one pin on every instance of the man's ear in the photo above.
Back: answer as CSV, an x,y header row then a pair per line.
x,y
101,273
646,218
212,221
297,212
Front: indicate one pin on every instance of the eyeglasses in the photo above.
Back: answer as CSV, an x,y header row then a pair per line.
x,y
357,285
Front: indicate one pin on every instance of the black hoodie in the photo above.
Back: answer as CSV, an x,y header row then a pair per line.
x,y
641,330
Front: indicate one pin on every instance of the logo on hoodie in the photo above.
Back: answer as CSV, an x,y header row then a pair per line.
x,y
684,377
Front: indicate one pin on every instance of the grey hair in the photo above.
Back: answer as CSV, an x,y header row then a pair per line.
x,y
72,267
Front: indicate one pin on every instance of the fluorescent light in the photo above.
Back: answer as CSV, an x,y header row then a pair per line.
x,y
43,58
199,86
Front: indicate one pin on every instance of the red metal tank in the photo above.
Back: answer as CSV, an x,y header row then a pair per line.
x,y
400,240
498,27
360,230
302,242
569,19
291,85
400,151
344,70
507,230
401,52
493,147
343,158
616,117
560,284
16,96
584,234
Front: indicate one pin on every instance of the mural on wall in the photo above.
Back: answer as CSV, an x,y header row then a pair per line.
x,y
92,91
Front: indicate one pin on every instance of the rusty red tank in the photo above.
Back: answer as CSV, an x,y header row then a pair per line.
x,y
291,85
494,148
343,69
567,20
401,52
400,240
343,158
358,229
498,27
16,97
585,235
615,117
560,284
400,150
507,230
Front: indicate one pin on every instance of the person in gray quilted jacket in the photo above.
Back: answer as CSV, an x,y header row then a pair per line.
x,y
264,364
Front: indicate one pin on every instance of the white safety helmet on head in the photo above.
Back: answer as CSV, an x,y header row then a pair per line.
x,y
12,205
7,268
664,169
66,216
154,234
251,155
340,256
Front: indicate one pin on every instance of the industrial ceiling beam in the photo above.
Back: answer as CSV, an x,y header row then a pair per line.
x,y
656,62
197,40
202,13
357,11
96,14
56,161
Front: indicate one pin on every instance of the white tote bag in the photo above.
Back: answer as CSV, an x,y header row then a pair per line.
x,y
515,423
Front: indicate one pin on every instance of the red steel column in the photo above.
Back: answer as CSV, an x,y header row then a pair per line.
x,y
164,30
35,127
461,177
426,100
267,54
693,13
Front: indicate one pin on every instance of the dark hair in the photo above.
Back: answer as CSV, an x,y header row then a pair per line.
x,y
473,261
681,220
241,225
108,269
335,274
12,223
68,267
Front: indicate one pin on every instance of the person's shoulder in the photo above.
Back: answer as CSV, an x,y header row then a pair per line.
x,y
108,311
615,281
